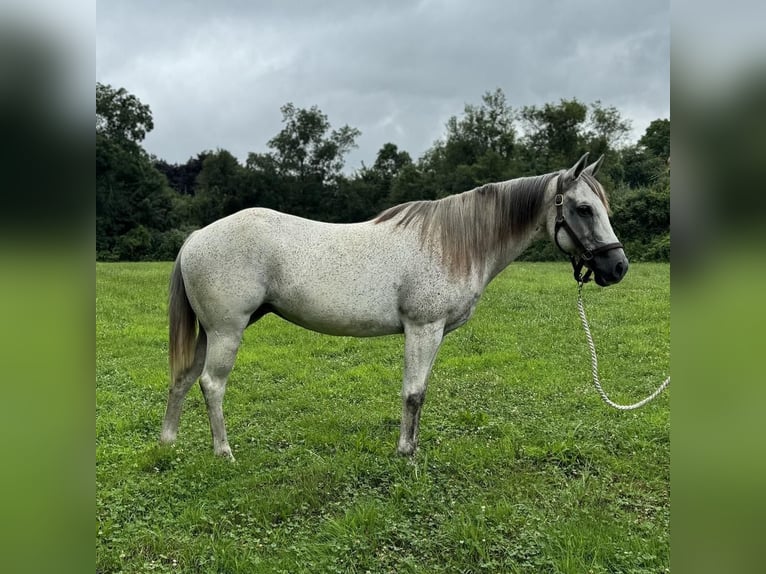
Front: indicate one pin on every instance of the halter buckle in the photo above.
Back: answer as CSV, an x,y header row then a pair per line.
x,y
558,200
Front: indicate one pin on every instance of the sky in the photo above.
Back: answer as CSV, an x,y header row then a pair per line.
x,y
215,74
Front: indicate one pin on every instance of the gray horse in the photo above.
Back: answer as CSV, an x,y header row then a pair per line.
x,y
418,268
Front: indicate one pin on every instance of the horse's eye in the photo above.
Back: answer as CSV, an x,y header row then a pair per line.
x,y
585,210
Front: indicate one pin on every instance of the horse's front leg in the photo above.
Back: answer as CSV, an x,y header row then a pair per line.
x,y
420,346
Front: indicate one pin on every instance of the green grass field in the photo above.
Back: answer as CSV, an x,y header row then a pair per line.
x,y
521,467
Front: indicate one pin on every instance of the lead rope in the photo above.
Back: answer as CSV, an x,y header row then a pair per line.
x,y
594,364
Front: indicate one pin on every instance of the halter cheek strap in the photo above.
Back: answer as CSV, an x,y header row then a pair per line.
x,y
585,255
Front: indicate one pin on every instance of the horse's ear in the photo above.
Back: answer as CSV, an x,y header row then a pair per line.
x,y
574,172
593,168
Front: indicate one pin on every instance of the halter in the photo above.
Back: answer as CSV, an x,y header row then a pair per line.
x,y
585,257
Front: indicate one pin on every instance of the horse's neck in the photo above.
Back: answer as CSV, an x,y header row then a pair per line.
x,y
504,254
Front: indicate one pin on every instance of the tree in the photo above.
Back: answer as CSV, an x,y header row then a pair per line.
x,y
647,161
656,139
390,161
220,188
411,185
264,182
132,197
481,129
371,187
120,116
642,213
641,219
183,177
553,134
606,129
308,158
478,147
305,147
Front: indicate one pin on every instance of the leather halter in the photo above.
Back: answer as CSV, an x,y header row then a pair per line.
x,y
584,258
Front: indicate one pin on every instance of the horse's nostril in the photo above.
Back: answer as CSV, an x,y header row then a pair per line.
x,y
619,269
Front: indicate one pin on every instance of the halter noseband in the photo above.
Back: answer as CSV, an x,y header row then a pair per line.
x,y
585,256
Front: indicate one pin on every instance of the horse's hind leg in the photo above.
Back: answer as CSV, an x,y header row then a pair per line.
x,y
222,349
421,344
179,388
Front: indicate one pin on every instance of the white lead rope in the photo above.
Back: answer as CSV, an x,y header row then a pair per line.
x,y
594,363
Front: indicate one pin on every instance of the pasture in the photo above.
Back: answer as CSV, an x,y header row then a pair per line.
x,y
521,467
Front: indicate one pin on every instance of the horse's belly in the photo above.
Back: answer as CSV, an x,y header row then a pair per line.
x,y
341,310
344,322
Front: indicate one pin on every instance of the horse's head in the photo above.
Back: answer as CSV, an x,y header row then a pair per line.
x,y
578,221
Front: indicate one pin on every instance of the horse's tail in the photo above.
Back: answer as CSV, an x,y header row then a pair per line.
x,y
183,324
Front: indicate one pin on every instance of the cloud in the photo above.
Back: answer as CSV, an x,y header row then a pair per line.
x,y
216,74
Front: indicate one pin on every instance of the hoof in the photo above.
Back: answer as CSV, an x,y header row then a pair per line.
x,y
406,449
225,453
167,439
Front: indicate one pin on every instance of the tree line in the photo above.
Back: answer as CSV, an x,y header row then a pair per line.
x,y
145,206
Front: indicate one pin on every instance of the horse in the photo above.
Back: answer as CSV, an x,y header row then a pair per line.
x,y
418,268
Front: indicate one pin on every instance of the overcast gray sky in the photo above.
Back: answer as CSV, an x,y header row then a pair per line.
x,y
216,73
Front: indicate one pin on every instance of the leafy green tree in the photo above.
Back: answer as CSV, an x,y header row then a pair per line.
x,y
267,188
641,219
183,177
120,116
641,213
306,147
372,185
131,195
308,156
605,130
644,163
390,161
553,134
481,129
656,139
411,184
135,244
221,188
478,147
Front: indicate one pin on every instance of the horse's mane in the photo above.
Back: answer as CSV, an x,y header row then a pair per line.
x,y
468,225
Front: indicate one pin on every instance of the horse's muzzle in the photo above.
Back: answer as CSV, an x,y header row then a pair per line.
x,y
610,267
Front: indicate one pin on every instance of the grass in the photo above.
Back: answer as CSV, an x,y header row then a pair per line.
x,y
521,467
